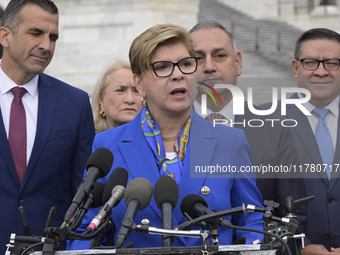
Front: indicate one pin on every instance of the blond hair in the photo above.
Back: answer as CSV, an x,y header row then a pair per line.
x,y
100,122
145,45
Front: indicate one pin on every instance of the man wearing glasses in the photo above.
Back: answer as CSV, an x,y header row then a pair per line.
x,y
316,68
220,63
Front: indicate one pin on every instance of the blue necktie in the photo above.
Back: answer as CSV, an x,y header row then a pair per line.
x,y
323,138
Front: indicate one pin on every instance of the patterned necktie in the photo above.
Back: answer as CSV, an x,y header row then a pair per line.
x,y
17,132
323,138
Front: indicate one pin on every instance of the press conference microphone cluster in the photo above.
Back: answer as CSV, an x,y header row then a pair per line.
x,y
114,186
113,193
137,196
166,196
98,165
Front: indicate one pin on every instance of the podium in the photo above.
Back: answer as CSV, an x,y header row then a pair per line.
x,y
258,249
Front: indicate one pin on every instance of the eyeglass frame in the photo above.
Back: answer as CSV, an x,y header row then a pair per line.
x,y
173,66
319,61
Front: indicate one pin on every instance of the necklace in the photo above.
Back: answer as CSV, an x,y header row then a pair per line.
x,y
169,138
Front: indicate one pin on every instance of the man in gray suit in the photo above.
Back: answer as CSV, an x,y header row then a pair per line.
x,y
316,68
218,62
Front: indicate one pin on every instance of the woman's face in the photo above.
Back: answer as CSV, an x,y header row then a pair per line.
x,y
168,95
120,100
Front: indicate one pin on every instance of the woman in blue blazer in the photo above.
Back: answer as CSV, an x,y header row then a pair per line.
x,y
169,138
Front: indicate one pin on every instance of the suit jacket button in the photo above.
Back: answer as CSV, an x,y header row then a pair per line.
x,y
331,200
205,190
21,199
326,236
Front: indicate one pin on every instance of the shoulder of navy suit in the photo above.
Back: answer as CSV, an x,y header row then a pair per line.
x,y
51,82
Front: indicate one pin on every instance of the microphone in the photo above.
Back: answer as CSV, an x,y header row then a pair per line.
x,y
117,180
97,193
98,165
137,196
195,206
50,217
119,176
23,221
166,197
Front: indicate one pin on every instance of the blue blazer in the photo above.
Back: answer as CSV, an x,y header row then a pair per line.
x,y
208,146
62,145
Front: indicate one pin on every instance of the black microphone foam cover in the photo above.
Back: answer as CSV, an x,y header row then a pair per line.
x,y
188,203
166,190
119,176
102,158
97,192
139,189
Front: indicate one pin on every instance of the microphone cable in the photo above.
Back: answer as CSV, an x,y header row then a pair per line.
x,y
262,232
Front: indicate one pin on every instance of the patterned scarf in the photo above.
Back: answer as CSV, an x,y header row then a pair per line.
x,y
153,136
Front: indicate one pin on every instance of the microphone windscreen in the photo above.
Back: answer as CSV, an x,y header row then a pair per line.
x,y
188,202
166,190
139,189
97,192
102,158
119,176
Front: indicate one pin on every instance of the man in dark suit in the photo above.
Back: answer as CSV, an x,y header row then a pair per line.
x,y
316,67
220,63
57,118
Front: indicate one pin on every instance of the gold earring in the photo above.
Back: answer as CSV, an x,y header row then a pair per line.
x,y
144,102
102,114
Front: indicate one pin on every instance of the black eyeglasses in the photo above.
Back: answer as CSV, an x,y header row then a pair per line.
x,y
313,64
166,68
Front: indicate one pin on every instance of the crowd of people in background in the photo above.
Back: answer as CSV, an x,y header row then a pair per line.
x,y
146,111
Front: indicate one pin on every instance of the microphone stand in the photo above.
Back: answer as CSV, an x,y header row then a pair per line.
x,y
96,241
146,229
226,224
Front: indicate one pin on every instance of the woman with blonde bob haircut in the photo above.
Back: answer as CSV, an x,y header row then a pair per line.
x,y
168,138
116,100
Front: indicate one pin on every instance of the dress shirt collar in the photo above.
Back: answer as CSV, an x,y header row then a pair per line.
x,y
7,84
333,106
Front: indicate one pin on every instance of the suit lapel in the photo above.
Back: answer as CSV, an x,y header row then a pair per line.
x,y
307,138
5,152
46,108
201,148
134,146
336,175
